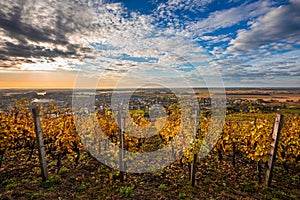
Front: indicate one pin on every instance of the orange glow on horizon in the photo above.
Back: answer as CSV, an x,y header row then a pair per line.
x,y
47,79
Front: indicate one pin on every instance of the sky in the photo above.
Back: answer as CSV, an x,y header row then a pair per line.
x,y
179,43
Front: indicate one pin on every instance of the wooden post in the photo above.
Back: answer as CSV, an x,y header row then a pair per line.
x,y
194,163
274,144
193,170
124,152
121,148
39,139
259,168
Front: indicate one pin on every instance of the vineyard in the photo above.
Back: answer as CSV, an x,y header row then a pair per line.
x,y
233,169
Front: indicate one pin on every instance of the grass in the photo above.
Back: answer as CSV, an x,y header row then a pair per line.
x,y
291,111
81,188
11,186
127,191
162,187
52,181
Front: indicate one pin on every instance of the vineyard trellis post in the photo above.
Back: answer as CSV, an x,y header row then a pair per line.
x,y
193,170
194,162
274,144
40,143
121,148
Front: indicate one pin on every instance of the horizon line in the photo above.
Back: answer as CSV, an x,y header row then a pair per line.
x,y
112,88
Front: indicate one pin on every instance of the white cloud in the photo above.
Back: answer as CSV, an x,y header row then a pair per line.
x,y
227,18
281,24
106,38
256,70
191,5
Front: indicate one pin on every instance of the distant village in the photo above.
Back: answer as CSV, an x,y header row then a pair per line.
x,y
139,100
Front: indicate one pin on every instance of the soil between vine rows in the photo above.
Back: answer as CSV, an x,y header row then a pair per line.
x,y
215,179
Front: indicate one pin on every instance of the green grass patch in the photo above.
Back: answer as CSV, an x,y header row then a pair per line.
x,y
127,191
11,186
52,181
81,188
291,111
162,187
182,195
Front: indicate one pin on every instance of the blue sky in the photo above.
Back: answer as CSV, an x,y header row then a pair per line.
x,y
199,42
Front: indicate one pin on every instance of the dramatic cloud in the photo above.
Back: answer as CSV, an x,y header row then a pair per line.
x,y
230,17
280,25
284,66
113,37
34,29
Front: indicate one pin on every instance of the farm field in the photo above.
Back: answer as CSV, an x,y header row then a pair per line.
x,y
271,94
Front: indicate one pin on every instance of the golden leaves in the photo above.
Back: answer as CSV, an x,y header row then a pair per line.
x,y
250,132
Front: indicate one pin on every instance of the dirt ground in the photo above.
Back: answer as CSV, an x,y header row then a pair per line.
x,y
215,179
